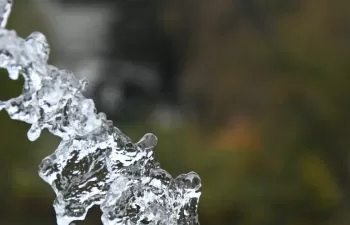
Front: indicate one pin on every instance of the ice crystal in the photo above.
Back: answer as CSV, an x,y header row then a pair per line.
x,y
95,163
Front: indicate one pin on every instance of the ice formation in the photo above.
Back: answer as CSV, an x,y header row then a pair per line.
x,y
95,163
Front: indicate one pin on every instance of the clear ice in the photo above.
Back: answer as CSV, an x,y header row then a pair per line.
x,y
95,163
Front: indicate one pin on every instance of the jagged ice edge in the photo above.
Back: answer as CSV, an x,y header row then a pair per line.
x,y
53,99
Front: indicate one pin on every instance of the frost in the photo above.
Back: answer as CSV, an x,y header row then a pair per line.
x,y
95,163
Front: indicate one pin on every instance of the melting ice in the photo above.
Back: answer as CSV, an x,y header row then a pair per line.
x,y
95,163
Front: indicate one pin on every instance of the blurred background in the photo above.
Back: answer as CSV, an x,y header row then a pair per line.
x,y
253,95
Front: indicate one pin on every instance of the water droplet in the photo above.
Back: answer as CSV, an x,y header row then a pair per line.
x,y
148,141
34,132
5,11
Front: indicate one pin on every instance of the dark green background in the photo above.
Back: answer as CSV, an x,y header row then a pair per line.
x,y
271,140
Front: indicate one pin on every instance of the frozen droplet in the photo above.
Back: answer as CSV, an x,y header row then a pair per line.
x,y
13,73
45,164
34,132
38,44
84,83
148,141
5,10
102,116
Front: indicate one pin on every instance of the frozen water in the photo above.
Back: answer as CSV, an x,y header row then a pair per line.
x,y
5,10
95,163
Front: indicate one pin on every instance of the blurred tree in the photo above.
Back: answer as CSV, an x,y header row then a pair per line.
x,y
267,86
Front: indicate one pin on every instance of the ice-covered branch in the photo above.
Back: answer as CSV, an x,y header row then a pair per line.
x,y
95,163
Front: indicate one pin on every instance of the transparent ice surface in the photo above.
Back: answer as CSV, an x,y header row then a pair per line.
x,y
95,163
